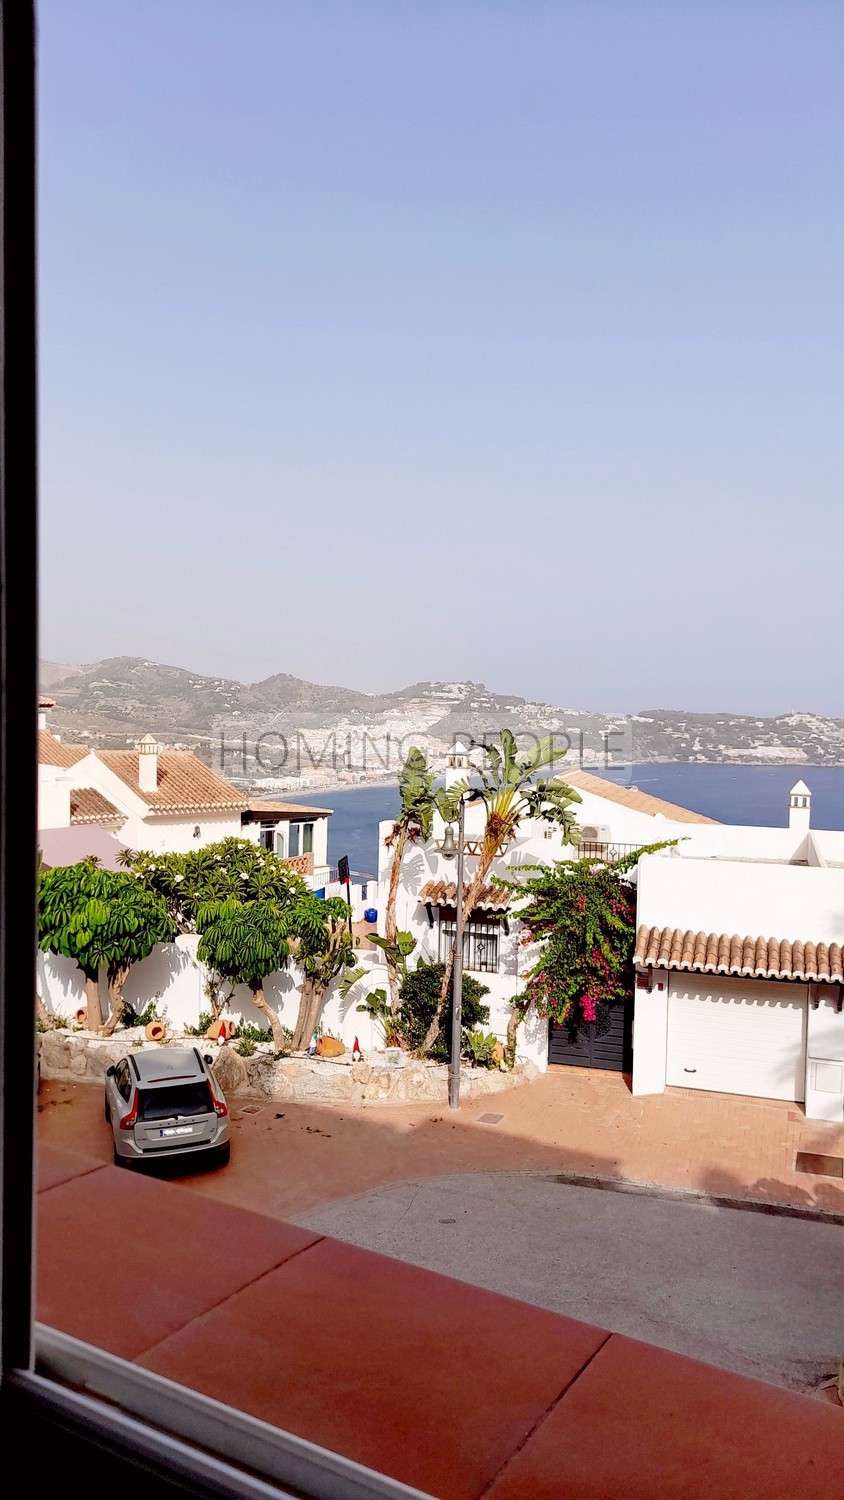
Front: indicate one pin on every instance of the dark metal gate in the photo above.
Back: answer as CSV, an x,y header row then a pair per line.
x,y
613,1051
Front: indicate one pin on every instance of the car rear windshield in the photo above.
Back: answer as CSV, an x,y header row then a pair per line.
x,y
177,1099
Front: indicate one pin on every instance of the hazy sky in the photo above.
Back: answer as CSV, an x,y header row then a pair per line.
x,y
394,339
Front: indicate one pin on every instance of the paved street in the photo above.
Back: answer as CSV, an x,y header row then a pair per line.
x,y
759,1294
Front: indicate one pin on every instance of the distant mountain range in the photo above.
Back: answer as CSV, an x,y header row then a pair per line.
x,y
285,732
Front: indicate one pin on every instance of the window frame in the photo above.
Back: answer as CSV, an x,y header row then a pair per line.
x,y
126,1425
477,929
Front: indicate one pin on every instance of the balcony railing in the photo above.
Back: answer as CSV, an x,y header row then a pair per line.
x,y
608,852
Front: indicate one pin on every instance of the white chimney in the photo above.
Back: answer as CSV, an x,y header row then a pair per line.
x,y
148,764
457,766
800,807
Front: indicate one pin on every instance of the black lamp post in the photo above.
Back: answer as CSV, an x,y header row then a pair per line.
x,y
449,850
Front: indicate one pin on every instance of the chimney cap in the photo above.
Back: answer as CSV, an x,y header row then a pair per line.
x,y
801,789
148,745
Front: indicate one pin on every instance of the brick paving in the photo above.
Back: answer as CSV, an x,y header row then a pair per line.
x,y
289,1157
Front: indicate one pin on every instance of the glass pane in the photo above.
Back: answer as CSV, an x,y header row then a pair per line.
x,y
163,1104
307,838
293,841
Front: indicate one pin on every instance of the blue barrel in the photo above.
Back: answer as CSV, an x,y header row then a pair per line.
x,y
370,915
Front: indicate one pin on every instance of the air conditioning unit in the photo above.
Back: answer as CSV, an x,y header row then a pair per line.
x,y
595,833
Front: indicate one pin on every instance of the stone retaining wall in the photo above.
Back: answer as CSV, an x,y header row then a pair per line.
x,y
80,1055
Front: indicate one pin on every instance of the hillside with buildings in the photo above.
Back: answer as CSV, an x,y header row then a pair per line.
x,y
287,732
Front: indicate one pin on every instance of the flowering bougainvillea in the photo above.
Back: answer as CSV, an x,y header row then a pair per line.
x,y
581,917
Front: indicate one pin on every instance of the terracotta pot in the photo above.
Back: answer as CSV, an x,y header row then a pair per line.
x,y
329,1046
81,1015
221,1031
154,1032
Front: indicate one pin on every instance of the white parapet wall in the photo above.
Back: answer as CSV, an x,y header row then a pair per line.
x,y
173,979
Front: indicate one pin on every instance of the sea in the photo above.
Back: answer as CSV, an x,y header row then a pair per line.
x,y
730,794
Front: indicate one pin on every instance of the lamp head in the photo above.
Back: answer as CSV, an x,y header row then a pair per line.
x,y
448,848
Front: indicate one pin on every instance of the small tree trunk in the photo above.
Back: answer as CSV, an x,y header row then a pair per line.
x,y
390,918
469,905
92,997
301,1034
260,1001
116,979
41,1012
512,1029
213,992
317,997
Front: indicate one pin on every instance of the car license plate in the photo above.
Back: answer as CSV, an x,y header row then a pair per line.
x,y
177,1130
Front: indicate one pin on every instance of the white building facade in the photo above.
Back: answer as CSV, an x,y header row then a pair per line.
x,y
767,1025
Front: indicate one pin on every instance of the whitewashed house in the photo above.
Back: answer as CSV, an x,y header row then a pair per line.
x,y
168,800
740,968
706,1014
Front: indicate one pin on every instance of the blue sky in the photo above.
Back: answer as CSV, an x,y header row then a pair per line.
x,y
503,340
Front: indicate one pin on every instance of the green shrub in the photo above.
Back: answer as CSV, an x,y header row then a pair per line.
x,y
245,1047
258,1034
480,1047
419,994
132,1017
205,1020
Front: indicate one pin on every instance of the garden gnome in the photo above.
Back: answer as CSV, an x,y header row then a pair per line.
x,y
356,1052
312,1047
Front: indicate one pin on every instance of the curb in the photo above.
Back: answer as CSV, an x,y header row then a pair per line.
x,y
693,1195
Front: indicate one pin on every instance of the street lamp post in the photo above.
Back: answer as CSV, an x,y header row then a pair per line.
x,y
448,851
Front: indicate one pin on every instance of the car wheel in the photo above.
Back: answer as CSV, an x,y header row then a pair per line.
x,y
121,1161
107,1110
224,1154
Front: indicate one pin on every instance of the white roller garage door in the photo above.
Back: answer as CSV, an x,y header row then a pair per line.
x,y
737,1036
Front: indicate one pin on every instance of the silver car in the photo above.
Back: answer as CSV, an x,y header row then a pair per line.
x,y
165,1102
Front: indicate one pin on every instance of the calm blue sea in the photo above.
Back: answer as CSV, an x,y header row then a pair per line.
x,y
732,794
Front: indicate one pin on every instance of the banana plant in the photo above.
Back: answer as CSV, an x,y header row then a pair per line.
x,y
512,794
419,801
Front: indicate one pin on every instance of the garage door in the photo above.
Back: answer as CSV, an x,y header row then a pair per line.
x,y
739,1036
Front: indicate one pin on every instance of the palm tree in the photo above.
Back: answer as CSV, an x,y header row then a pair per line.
x,y
510,796
415,820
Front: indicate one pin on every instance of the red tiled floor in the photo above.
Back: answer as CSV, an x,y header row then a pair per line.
x,y
55,1165
124,1260
425,1378
648,1425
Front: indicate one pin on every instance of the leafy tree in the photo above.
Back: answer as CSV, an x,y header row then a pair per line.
x,y
234,868
102,919
510,794
582,915
420,999
324,949
419,799
244,941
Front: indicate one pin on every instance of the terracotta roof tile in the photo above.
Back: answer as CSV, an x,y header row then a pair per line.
x,y
51,752
185,783
87,805
287,808
630,796
444,893
752,958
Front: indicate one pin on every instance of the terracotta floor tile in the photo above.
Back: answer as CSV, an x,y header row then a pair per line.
x,y
124,1260
425,1378
54,1165
648,1425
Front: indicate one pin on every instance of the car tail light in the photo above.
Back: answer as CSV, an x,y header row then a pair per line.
x,y
220,1106
130,1121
